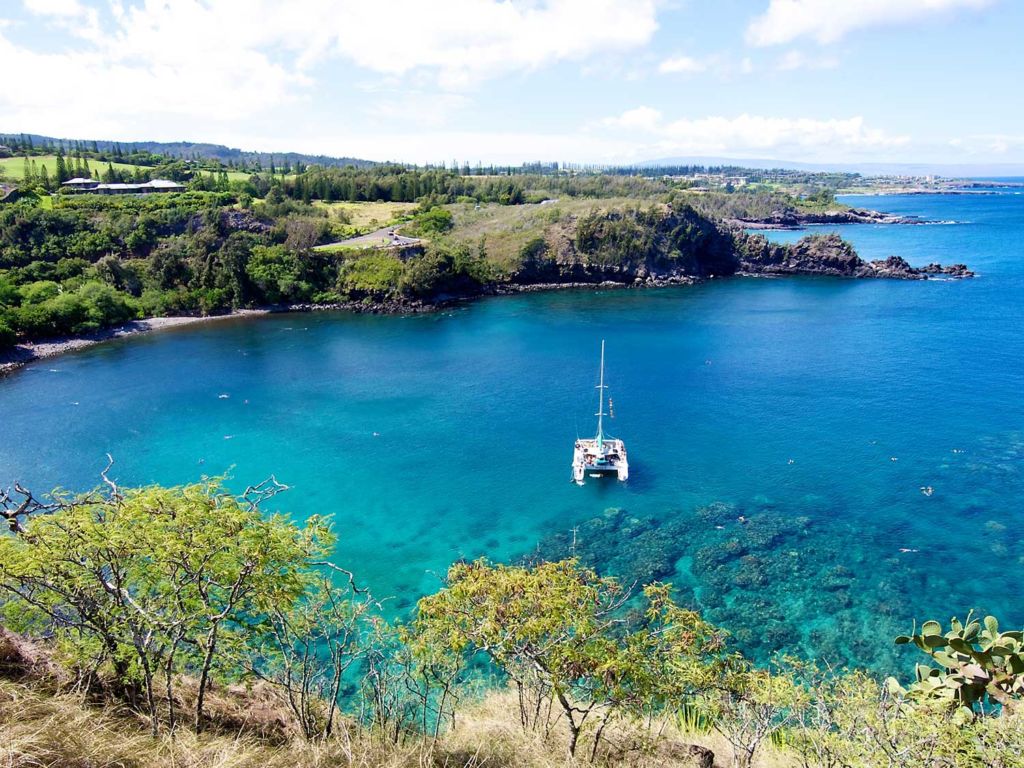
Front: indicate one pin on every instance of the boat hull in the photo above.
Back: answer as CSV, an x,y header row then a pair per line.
x,y
606,458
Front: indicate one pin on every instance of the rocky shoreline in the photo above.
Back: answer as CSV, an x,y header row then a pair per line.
x,y
793,219
28,352
830,255
750,256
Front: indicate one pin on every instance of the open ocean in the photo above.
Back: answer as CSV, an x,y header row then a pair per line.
x,y
780,433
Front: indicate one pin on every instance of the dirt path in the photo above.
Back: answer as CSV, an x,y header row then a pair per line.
x,y
386,237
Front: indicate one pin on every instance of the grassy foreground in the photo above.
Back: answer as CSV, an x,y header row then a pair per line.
x,y
48,729
184,626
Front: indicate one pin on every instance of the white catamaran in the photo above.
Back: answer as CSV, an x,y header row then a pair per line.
x,y
600,455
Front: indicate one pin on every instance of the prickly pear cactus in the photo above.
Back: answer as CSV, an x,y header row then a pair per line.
x,y
977,664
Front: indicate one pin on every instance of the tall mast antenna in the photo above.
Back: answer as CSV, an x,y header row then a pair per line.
x,y
600,407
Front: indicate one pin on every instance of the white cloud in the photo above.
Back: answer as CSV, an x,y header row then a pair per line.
x,y
153,68
792,60
64,8
221,62
987,144
827,21
477,39
722,65
170,64
429,108
644,118
677,64
746,134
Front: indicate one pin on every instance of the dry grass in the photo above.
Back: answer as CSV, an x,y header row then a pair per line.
x,y
44,730
369,216
507,228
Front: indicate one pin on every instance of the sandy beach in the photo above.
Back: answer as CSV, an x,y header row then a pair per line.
x,y
22,354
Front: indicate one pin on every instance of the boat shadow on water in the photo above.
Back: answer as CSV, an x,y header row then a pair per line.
x,y
641,480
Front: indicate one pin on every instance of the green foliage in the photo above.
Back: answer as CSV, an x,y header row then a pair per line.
x,y
755,205
371,274
7,335
556,630
442,270
680,238
39,291
274,271
305,648
618,236
155,582
89,307
976,663
751,705
434,221
141,589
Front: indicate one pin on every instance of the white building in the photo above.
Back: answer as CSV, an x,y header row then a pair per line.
x,y
91,185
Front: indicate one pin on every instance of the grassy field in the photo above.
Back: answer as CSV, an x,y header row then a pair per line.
x,y
505,229
14,167
369,216
362,245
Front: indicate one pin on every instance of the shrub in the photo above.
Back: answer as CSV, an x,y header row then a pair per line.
x,y
7,335
371,274
435,221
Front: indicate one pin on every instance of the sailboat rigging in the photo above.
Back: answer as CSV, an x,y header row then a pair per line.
x,y
601,455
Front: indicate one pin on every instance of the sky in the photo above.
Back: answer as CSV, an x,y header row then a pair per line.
x,y
586,81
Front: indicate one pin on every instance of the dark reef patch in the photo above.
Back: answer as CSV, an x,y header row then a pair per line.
x,y
780,580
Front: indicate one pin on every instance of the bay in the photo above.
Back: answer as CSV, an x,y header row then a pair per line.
x,y
782,433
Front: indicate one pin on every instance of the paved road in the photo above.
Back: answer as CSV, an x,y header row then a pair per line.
x,y
382,238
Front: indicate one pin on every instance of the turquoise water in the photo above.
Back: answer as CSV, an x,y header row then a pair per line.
x,y
781,402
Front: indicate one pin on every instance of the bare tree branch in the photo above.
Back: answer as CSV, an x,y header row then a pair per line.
x,y
115,495
255,495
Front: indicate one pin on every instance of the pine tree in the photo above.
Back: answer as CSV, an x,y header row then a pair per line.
x,y
109,176
27,175
62,168
44,178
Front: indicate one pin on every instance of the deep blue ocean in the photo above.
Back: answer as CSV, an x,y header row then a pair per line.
x,y
782,433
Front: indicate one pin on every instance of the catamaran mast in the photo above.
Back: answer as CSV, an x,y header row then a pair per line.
x,y
600,407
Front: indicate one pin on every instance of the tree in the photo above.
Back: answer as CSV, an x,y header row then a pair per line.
x,y
156,582
750,705
7,335
274,270
558,632
305,649
62,169
435,221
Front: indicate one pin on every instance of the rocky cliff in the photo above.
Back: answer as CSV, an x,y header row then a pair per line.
x,y
792,218
658,246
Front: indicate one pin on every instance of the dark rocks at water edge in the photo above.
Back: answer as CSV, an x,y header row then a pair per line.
x,y
793,219
676,245
831,255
